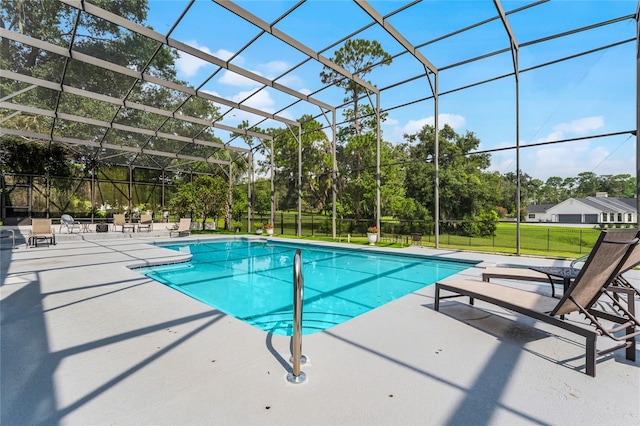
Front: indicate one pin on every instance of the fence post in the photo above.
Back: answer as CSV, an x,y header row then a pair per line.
x,y
312,215
548,239
580,252
281,223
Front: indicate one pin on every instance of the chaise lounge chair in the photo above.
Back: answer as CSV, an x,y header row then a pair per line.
x,y
41,230
519,273
569,272
183,229
119,220
632,261
146,222
600,269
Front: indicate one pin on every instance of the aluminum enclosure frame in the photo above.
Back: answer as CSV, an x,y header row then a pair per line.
x,y
431,74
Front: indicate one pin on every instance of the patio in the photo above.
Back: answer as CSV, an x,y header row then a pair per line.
x,y
86,340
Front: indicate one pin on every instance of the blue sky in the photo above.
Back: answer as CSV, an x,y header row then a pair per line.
x,y
589,95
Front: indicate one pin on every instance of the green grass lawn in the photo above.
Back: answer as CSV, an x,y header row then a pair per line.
x,y
549,241
553,241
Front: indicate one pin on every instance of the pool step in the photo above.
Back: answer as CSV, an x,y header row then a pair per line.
x,y
282,322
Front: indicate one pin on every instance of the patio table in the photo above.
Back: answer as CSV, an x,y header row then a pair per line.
x,y
566,273
85,225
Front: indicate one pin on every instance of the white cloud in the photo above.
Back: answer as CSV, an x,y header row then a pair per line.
x,y
556,162
394,132
502,165
189,65
225,55
565,159
453,120
274,68
581,126
291,80
260,100
553,136
212,92
233,79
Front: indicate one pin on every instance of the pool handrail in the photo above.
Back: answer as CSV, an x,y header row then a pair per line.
x,y
297,376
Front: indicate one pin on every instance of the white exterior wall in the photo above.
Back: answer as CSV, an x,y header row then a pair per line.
x,y
538,217
625,217
572,206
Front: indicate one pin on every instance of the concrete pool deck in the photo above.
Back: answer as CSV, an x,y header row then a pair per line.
x,y
86,340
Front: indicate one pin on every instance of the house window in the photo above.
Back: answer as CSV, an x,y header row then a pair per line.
x,y
628,217
604,217
612,217
619,217
532,215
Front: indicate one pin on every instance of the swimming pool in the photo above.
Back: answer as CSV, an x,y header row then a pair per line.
x,y
252,280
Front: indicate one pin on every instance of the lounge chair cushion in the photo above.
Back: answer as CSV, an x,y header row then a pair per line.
x,y
516,274
505,295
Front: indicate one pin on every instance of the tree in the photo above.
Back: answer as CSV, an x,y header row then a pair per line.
x,y
529,191
568,185
316,165
588,184
205,197
240,203
53,21
359,57
17,157
262,197
392,178
358,159
554,189
358,172
185,200
535,185
466,191
483,225
622,186
367,122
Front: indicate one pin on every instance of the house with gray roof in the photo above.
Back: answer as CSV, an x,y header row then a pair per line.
x,y
538,212
600,209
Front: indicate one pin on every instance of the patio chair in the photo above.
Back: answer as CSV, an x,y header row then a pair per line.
x,y
184,228
41,230
146,222
600,269
526,274
632,261
119,220
68,222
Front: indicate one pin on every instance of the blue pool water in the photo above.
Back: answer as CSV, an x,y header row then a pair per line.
x,y
253,280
